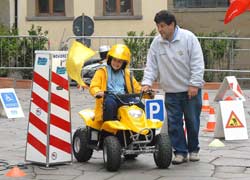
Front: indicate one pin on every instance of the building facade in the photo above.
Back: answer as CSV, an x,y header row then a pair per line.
x,y
111,17
117,17
208,16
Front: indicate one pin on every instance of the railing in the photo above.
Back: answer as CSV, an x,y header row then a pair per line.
x,y
17,53
232,61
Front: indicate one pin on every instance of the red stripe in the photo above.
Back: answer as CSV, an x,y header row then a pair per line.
x,y
39,101
239,89
59,80
38,123
59,101
41,81
60,123
38,145
60,144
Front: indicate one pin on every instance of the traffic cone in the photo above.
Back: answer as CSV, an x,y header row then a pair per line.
x,y
228,98
15,172
211,121
205,103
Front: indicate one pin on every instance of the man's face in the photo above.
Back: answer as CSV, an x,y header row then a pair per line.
x,y
166,31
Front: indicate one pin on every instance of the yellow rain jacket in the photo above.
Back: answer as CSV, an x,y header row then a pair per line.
x,y
99,83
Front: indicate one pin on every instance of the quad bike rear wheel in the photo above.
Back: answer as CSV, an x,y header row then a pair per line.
x,y
80,145
163,153
111,153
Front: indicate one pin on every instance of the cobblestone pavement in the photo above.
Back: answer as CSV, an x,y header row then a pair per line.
x,y
229,162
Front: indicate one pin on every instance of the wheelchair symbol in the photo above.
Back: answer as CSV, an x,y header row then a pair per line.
x,y
8,98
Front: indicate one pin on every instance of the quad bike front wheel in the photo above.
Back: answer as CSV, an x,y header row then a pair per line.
x,y
80,145
163,153
111,153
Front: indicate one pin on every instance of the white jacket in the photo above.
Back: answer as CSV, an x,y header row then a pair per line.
x,y
177,64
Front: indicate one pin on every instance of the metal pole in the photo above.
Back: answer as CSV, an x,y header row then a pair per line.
x,y
82,28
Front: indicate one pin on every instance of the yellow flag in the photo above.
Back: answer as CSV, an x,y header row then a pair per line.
x,y
77,56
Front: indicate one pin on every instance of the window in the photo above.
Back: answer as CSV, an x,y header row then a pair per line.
x,y
118,7
201,3
118,10
50,7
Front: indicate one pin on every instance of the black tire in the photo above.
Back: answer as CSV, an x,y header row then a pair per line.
x,y
130,156
112,153
163,154
80,145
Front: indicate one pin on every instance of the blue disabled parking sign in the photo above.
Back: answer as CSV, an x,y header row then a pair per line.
x,y
9,99
154,109
10,103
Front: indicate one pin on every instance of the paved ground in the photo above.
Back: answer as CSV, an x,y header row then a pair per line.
x,y
229,162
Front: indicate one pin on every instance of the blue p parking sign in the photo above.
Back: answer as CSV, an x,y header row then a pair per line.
x,y
154,109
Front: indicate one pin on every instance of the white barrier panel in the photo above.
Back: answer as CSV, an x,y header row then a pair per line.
x,y
230,121
230,82
49,127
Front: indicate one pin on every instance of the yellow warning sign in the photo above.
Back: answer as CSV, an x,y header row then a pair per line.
x,y
234,121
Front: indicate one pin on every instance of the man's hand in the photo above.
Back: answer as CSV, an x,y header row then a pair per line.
x,y
192,91
145,88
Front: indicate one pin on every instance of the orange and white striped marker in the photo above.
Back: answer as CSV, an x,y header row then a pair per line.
x,y
211,121
49,127
205,103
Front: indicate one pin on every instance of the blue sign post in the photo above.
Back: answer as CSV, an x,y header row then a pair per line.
x,y
155,109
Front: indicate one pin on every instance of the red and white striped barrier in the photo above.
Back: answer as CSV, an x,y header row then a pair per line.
x,y
49,127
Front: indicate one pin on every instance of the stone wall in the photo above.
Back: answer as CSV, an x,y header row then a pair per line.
x,y
14,83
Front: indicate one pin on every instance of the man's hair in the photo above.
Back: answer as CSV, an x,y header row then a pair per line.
x,y
165,16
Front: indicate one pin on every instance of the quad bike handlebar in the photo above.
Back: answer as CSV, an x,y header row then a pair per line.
x,y
120,97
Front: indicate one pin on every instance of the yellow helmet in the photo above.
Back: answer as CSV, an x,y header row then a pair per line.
x,y
120,51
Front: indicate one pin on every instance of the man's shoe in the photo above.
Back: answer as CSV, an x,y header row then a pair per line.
x,y
193,156
179,159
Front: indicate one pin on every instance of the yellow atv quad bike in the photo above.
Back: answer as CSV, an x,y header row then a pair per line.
x,y
132,134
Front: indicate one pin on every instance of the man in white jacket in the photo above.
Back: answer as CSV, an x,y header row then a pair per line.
x,y
175,58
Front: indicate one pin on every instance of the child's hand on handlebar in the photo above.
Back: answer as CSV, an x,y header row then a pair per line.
x,y
145,88
99,94
148,92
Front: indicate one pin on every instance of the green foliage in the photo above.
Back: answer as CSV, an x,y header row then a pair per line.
x,y
7,49
27,47
138,48
20,52
217,54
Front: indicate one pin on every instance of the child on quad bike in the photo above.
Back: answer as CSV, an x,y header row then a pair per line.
x,y
115,78
121,128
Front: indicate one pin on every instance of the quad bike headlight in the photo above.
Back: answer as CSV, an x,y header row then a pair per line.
x,y
135,113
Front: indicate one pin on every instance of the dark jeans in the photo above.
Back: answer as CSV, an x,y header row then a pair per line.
x,y
178,104
111,105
